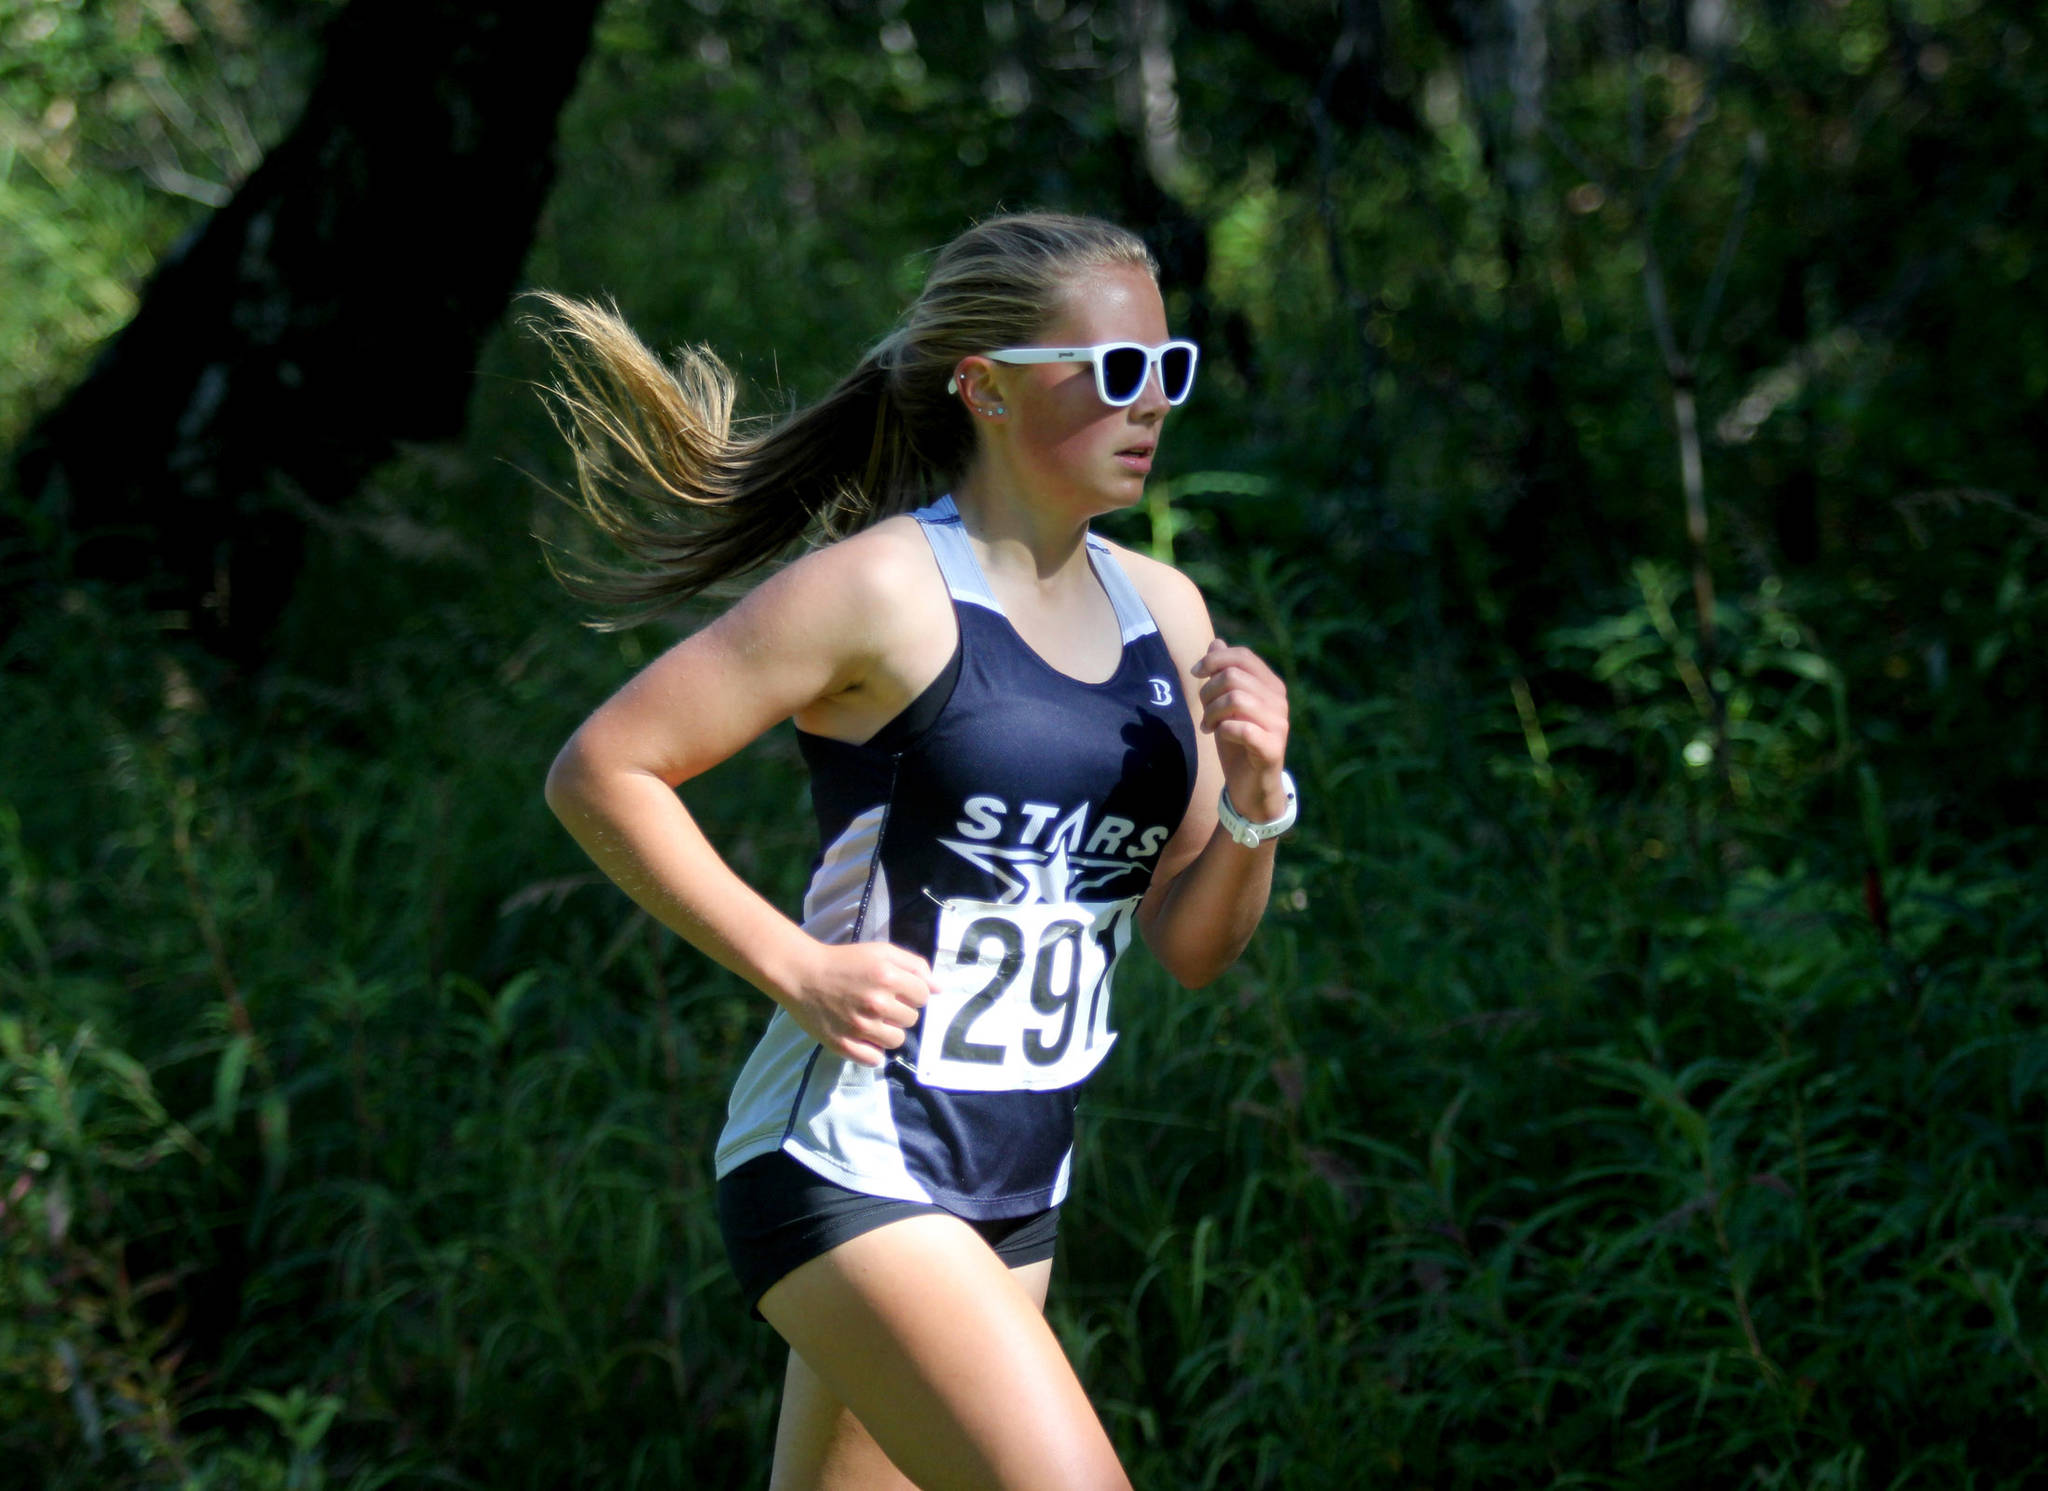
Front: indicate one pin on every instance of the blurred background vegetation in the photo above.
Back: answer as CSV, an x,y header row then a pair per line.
x,y
1620,420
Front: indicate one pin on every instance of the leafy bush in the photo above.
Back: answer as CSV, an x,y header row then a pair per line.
x,y
354,1136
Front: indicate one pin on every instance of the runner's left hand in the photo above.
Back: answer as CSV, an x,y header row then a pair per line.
x,y
1244,705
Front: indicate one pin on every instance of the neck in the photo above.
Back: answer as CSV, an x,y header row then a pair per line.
x,y
1019,532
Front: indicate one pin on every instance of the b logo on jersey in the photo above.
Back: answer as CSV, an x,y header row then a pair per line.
x,y
1040,865
1162,691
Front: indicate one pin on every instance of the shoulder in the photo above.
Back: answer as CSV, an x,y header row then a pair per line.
x,y
868,616
843,604
879,558
866,578
1174,600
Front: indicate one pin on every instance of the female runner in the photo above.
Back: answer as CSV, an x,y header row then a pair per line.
x,y
1024,742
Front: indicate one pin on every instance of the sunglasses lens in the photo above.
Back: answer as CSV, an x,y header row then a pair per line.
x,y
1176,372
1123,374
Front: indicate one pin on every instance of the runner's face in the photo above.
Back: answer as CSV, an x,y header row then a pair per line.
x,y
1069,442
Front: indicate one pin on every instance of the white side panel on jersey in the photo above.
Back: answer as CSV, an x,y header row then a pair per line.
x,y
875,924
830,1113
847,1131
757,1113
1059,1187
833,900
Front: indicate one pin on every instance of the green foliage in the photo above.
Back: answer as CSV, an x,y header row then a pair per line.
x,y
467,1199
1516,1152
1638,1081
1516,1157
120,124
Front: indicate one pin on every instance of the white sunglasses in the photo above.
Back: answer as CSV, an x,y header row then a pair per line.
x,y
1121,368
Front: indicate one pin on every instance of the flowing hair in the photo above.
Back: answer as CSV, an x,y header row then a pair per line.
x,y
662,472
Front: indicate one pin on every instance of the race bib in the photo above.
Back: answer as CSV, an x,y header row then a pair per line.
x,y
1023,999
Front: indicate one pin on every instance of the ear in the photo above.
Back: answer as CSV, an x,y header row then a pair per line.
x,y
978,383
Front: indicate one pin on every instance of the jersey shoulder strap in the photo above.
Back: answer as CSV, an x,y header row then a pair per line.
x,y
1131,612
941,525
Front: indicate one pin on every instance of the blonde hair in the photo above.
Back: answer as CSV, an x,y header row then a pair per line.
x,y
661,472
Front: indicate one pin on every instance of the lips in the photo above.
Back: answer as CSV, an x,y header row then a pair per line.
x,y
1136,457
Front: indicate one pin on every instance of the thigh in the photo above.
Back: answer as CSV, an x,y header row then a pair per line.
x,y
917,1333
820,1446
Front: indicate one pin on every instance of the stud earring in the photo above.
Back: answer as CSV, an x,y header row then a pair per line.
x,y
997,409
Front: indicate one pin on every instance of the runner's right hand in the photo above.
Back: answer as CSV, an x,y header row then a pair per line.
x,y
857,999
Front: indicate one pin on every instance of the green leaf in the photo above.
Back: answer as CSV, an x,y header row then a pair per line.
x,y
274,1132
227,1081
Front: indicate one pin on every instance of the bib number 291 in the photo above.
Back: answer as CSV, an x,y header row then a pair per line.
x,y
1023,998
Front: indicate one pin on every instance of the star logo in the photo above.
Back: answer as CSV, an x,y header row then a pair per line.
x,y
1032,877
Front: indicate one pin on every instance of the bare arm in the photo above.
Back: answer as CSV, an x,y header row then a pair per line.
x,y
807,643
1209,891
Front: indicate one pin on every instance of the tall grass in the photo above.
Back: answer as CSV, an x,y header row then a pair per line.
x,y
1581,1116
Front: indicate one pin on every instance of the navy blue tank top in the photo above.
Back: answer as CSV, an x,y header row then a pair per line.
x,y
1004,827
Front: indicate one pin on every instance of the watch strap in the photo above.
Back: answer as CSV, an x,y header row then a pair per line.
x,y
1250,834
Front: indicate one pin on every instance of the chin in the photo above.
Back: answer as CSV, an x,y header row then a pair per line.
x,y
1122,495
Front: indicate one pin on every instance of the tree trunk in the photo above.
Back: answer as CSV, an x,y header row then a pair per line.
x,y
332,309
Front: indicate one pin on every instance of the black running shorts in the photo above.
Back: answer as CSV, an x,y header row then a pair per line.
x,y
775,1214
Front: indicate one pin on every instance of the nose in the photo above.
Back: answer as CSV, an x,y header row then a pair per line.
x,y
1151,404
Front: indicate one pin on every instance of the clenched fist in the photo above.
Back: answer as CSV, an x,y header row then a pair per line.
x,y
856,999
1244,705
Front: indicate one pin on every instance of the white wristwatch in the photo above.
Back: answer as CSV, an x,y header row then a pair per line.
x,y
1251,834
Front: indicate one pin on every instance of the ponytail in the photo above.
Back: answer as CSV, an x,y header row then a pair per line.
x,y
662,473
